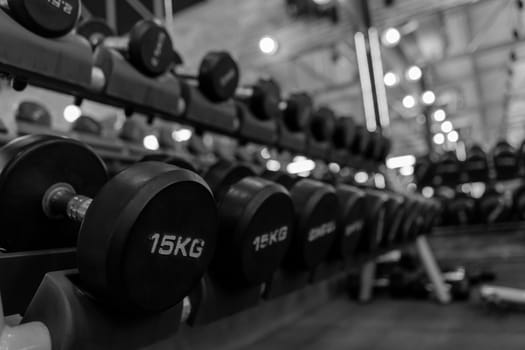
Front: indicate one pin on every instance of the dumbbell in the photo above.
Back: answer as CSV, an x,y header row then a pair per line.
x,y
461,210
95,30
263,99
521,158
87,125
316,216
146,238
296,111
382,149
518,199
424,170
148,47
344,134
494,206
375,220
132,131
322,125
217,78
476,164
449,168
505,160
255,221
394,213
47,18
361,142
31,112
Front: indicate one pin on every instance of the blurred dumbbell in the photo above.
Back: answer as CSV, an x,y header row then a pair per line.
x,y
375,220
87,125
262,98
133,131
217,78
35,113
424,171
505,160
296,111
316,215
449,168
95,30
320,133
361,142
519,202
494,206
476,164
46,18
461,210
255,220
148,222
394,213
521,158
342,138
147,46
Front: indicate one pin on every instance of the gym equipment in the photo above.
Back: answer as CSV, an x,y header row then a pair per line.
x,y
375,216
296,112
449,169
476,165
361,142
148,47
461,210
494,206
262,98
521,158
87,125
519,202
320,133
46,18
133,131
95,30
218,76
342,138
505,160
32,112
424,171
144,241
394,213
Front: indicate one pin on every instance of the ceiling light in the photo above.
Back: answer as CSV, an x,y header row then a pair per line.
x,y
390,79
151,142
391,37
439,115
428,97
409,101
414,73
268,45
72,113
447,126
453,136
439,139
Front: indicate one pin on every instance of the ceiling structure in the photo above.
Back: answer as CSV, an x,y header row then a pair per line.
x,y
463,46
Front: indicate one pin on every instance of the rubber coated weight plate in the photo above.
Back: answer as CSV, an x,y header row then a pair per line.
x,y
394,210
87,125
298,112
218,76
49,18
179,161
148,237
316,209
374,219
350,224
95,30
256,218
344,132
322,124
150,48
28,167
264,103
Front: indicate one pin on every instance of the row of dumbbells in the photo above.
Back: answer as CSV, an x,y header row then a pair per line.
x,y
258,112
494,206
502,162
147,235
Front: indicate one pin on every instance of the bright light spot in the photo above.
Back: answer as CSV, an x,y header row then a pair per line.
x,y
406,170
428,97
439,139
409,101
390,79
299,158
334,167
322,2
401,161
478,189
439,115
411,187
466,188
265,154
414,73
361,177
447,126
391,37
181,135
301,166
304,174
268,45
379,181
428,192
151,142
72,113
453,136
273,165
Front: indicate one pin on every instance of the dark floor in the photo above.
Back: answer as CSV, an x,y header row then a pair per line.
x,y
404,325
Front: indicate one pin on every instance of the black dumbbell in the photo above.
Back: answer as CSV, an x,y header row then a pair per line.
x,y
518,199
449,168
218,76
33,113
425,170
521,158
316,215
494,206
476,164
132,131
361,142
95,30
461,210
47,18
505,160
296,111
87,125
343,134
255,221
394,213
148,47
322,125
375,220
146,238
383,148
263,98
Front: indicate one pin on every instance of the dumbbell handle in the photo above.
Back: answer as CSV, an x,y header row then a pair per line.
x,y
61,200
244,92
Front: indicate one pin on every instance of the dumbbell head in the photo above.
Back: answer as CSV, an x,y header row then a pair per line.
x,y
361,141
462,209
146,238
394,213
344,133
494,206
316,210
256,222
179,160
33,113
218,76
350,221
46,18
476,164
322,125
150,48
505,160
87,125
519,202
297,111
375,215
264,99
132,131
95,30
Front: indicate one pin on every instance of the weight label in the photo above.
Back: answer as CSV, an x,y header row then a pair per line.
x,y
270,238
176,245
65,6
353,228
227,78
321,231
161,39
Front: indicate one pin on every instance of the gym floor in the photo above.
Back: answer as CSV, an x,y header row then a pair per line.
x,y
392,324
